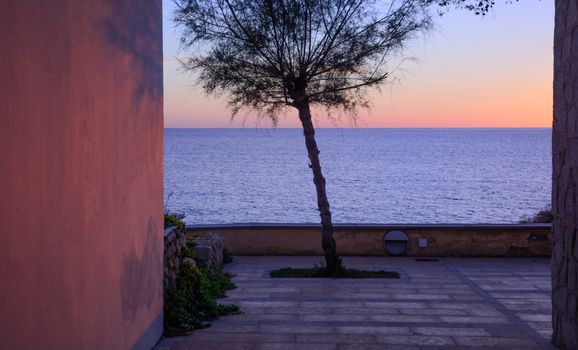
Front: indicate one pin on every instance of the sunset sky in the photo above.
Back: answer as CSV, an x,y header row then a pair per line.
x,y
470,72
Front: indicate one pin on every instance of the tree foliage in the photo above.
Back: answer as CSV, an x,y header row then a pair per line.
x,y
260,52
479,7
269,54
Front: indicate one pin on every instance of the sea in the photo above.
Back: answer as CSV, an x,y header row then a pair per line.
x,y
404,176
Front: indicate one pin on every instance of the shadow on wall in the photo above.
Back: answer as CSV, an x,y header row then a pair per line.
x,y
140,38
140,275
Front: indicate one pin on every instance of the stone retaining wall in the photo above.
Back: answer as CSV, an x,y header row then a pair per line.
x,y
207,250
442,240
175,239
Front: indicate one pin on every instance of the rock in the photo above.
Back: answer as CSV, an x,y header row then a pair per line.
x,y
191,262
208,250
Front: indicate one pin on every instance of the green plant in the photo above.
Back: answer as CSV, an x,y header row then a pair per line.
x,y
544,216
188,250
218,282
190,303
174,220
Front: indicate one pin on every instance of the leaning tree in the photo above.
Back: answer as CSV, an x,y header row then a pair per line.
x,y
273,55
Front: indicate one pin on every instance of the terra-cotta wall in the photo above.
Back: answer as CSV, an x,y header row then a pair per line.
x,y
81,174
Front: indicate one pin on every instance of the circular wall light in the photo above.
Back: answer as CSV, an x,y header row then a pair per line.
x,y
395,243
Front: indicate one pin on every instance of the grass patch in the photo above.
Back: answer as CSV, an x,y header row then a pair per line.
x,y
319,272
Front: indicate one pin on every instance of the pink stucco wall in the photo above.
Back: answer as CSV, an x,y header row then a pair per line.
x,y
81,135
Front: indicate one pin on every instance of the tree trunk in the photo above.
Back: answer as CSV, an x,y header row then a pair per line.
x,y
565,177
332,260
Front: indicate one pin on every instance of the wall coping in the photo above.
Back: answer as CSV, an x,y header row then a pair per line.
x,y
245,226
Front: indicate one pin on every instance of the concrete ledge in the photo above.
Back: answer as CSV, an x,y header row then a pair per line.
x,y
367,239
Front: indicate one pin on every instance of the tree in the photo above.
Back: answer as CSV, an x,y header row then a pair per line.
x,y
273,77
270,55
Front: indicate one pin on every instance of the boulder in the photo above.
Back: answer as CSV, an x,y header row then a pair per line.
x,y
208,250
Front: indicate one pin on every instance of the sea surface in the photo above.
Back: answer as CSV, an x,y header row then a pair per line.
x,y
216,176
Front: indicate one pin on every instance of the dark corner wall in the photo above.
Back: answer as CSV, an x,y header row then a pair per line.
x,y
565,177
81,174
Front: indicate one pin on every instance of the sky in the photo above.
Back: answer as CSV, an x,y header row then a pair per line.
x,y
469,72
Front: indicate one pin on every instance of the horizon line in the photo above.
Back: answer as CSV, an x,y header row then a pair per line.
x,y
358,128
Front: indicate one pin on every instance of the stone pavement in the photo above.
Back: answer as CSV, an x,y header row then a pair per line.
x,y
448,303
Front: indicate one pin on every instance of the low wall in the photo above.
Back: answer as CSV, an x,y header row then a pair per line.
x,y
442,240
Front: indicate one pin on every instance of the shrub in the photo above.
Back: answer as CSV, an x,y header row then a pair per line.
x,y
542,217
174,220
191,302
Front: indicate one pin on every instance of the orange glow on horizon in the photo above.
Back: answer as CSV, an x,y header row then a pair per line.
x,y
494,72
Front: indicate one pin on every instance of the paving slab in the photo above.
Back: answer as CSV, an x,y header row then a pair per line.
x,y
448,303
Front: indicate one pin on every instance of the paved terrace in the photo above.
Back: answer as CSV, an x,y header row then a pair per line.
x,y
451,303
